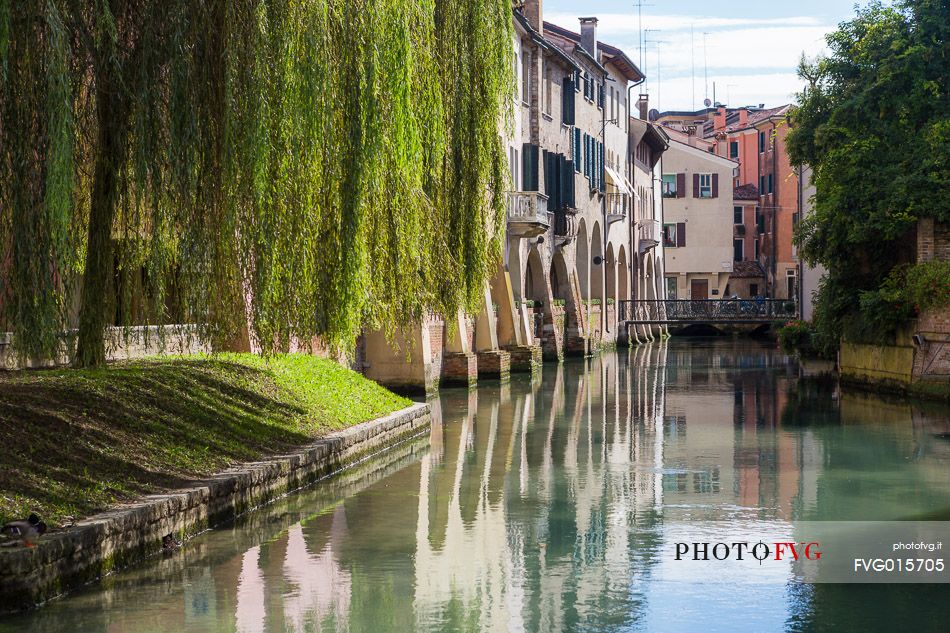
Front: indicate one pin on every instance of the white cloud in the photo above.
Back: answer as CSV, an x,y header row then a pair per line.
x,y
754,58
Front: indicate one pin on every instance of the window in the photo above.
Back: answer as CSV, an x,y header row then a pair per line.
x,y
733,149
513,166
761,142
753,290
577,150
757,250
669,185
760,221
548,90
705,186
738,246
525,77
770,183
577,81
669,235
671,287
791,285
761,185
737,215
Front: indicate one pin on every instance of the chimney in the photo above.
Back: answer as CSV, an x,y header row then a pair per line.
x,y
533,11
743,116
719,120
643,104
589,35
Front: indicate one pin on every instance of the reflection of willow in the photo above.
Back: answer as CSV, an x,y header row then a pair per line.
x,y
548,537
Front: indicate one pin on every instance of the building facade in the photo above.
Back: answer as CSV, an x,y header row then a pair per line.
x,y
697,220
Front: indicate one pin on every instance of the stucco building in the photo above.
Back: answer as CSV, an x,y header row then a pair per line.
x,y
697,222
754,137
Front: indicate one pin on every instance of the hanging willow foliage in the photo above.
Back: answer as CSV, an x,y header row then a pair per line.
x,y
299,167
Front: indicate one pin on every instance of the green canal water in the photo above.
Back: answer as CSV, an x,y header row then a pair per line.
x,y
552,505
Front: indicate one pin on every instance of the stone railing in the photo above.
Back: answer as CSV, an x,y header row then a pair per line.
x,y
618,204
528,213
651,234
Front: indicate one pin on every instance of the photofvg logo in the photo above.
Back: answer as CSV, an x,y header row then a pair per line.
x,y
809,552
743,550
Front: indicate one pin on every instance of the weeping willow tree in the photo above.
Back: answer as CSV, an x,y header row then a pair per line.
x,y
299,168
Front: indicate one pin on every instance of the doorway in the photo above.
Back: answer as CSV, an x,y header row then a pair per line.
x,y
699,289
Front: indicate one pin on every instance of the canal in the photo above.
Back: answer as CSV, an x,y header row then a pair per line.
x,y
551,505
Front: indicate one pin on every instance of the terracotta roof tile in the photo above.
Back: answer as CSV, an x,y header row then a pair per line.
x,y
747,270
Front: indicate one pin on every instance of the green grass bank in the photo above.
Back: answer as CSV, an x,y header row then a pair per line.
x,y
78,441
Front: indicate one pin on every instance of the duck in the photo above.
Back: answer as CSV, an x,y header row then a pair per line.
x,y
24,531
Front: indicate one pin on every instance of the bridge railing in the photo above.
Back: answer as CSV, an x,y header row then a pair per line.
x,y
707,310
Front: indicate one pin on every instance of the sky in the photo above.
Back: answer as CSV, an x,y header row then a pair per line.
x,y
751,52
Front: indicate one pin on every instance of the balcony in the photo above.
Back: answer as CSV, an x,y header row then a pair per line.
x,y
528,213
565,228
651,234
618,204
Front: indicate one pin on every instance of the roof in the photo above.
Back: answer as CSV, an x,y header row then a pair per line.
x,y
674,143
543,42
612,54
747,270
756,117
651,134
746,192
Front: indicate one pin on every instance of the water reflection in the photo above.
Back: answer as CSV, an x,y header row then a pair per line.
x,y
551,506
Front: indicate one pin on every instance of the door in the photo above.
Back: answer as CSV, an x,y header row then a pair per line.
x,y
699,289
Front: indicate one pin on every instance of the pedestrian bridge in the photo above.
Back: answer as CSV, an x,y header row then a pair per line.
x,y
707,311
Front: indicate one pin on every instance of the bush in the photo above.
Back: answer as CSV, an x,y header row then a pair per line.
x,y
924,285
797,337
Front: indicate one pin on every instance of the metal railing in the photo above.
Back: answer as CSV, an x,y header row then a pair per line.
x,y
707,310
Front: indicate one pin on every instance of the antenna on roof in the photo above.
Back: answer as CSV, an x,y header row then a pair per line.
x,y
705,71
641,42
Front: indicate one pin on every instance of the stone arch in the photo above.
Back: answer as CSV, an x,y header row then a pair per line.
x,y
535,287
597,285
582,258
610,273
650,280
623,275
560,278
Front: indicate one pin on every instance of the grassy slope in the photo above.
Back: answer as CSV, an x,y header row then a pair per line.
x,y
73,442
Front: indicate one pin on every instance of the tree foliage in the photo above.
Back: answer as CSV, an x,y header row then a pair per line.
x,y
305,166
874,123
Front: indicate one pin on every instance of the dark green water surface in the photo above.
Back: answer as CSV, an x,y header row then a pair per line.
x,y
552,504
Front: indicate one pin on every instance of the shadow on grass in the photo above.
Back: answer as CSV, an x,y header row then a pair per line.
x,y
75,442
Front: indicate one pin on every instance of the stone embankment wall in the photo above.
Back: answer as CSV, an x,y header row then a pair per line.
x,y
121,344
111,540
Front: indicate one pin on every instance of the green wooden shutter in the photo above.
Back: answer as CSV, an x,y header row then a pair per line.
x,y
529,162
567,101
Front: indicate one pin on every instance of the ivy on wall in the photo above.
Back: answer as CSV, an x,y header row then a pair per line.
x,y
306,167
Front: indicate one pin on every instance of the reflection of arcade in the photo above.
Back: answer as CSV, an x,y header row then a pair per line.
x,y
525,523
